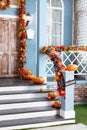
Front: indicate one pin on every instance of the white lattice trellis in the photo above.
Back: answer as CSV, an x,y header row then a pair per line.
x,y
79,58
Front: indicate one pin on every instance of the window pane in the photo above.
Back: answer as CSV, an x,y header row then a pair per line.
x,y
56,3
49,40
56,29
54,22
48,2
48,17
56,15
55,40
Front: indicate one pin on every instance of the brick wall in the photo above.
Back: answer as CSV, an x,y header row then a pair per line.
x,y
80,22
80,93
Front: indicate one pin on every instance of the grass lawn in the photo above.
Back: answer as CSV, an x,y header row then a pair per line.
x,y
81,113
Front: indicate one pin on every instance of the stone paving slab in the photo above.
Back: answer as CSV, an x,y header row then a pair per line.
x,y
66,127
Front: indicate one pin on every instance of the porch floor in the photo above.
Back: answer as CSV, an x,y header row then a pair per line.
x,y
14,82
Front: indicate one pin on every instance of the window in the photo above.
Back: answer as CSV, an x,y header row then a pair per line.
x,y
55,13
55,21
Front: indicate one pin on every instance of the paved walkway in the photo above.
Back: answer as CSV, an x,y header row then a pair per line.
x,y
66,127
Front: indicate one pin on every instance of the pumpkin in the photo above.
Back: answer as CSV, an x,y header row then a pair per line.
x,y
56,104
31,76
49,96
72,67
38,80
62,93
26,72
52,95
24,76
41,89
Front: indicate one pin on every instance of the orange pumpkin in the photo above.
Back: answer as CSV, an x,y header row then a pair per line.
x,y
49,96
31,76
38,80
56,104
72,67
41,89
52,95
24,76
26,72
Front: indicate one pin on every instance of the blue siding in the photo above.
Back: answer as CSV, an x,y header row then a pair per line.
x,y
31,44
41,37
10,11
68,4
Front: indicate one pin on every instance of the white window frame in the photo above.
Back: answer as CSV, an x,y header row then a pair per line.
x,y
62,22
49,63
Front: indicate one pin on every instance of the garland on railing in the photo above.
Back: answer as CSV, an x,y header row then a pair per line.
x,y
22,34
4,4
58,65
65,48
51,52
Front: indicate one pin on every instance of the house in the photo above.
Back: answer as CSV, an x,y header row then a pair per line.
x,y
35,61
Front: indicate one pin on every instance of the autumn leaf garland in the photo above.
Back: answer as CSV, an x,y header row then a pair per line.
x,y
4,4
22,33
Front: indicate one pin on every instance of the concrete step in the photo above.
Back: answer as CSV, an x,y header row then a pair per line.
x,y
22,96
23,91
21,88
27,110
33,122
10,95
28,115
25,100
24,103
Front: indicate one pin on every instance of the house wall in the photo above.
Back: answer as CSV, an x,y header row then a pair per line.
x,y
80,94
31,58
68,18
9,11
37,8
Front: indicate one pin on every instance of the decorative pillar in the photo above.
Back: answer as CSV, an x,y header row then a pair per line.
x,y
67,102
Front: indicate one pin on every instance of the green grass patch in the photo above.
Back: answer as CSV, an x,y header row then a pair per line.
x,y
81,113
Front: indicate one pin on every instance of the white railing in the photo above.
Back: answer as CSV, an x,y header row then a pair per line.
x,y
79,58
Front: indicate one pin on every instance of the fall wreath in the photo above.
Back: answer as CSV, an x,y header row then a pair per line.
x,y
4,4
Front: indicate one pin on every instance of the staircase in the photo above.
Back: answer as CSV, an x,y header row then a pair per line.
x,y
27,107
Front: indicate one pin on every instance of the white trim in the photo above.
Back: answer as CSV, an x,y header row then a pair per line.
x,y
8,16
67,114
55,8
